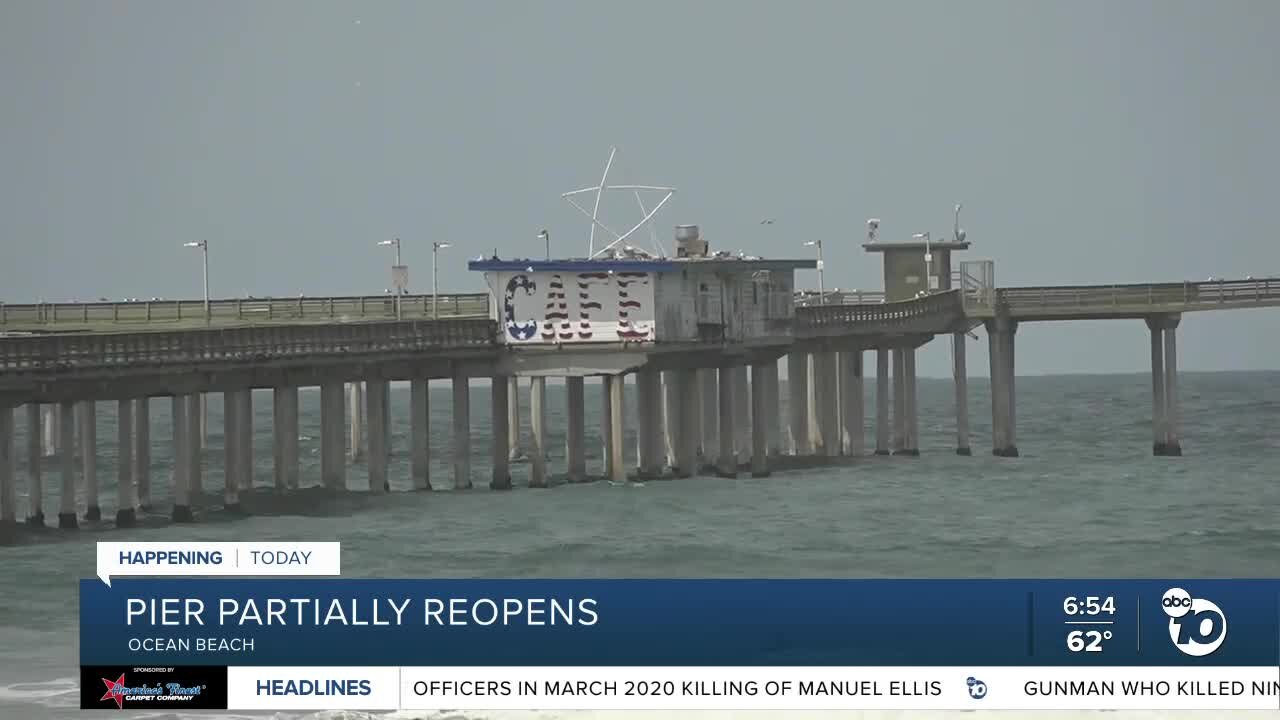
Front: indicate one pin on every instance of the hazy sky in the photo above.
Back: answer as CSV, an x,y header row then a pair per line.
x,y
1089,142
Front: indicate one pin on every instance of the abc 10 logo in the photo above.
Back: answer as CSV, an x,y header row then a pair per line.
x,y
1197,626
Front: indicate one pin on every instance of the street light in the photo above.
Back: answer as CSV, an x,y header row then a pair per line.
x,y
928,261
436,247
399,290
204,252
822,293
546,238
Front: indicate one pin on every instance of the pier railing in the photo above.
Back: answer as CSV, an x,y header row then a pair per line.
x,y
812,298
1125,300
251,344
927,313
110,316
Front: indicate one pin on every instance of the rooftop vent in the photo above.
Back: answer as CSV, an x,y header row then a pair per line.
x,y
689,242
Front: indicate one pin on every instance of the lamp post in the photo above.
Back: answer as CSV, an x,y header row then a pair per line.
x,y
204,262
928,261
822,293
546,238
399,290
436,247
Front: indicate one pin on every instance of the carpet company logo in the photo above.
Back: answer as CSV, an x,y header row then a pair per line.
x,y
977,688
118,692
1197,626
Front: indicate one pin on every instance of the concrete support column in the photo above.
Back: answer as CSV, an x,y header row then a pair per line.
x,y
181,490
798,402
232,439
538,432
1172,441
142,451
195,455
727,465
461,432
709,399
356,403
899,401
88,417
284,429
204,421
66,442
851,406
245,423
516,450
688,408
670,417
1000,333
1158,421
742,408
759,427
882,401
126,498
333,465
912,434
420,432
8,491
575,435
500,429
772,400
649,417
50,440
35,483
826,393
960,377
377,393
614,427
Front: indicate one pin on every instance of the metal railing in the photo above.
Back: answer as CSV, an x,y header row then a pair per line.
x,y
105,316
941,307
251,344
812,298
1154,297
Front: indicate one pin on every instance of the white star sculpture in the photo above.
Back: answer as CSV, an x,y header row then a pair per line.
x,y
595,211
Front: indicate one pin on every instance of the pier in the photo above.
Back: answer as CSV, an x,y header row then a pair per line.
x,y
700,335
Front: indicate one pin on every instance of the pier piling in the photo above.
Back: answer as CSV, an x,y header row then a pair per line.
x,y
88,418
798,402
773,401
513,418
195,452
333,416
1164,385
181,490
8,492
500,426
538,432
126,494
284,430
899,401
614,427
911,432
231,447
575,432
960,376
649,420
687,411
851,405
67,440
709,400
759,427
356,403
461,431
882,401
141,450
35,483
377,395
727,465
420,431
826,391
1000,335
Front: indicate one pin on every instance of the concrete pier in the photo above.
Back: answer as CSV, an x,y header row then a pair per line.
x,y
899,401
773,401
195,455
66,441
576,427
1000,334
670,418
35,453
709,415
356,408
960,377
514,419
759,426
826,393
727,464
142,451
88,419
377,397
420,433
689,411
1164,385
8,489
204,421
333,418
614,427
882,401
649,430
798,403
181,490
742,413
461,432
232,440
500,431
126,493
911,422
284,429
852,420
538,432
49,446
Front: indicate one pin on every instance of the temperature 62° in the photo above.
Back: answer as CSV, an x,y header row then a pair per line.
x,y
1087,640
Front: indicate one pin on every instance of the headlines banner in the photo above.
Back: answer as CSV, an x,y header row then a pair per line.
x,y
299,644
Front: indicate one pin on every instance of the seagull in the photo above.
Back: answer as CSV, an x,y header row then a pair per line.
x,y
767,221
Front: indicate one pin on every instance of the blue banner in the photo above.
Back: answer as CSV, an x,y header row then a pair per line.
x,y
680,622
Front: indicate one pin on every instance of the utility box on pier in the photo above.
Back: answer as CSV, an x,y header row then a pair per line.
x,y
630,299
914,268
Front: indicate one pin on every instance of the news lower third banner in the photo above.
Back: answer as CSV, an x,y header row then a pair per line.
x,y
335,643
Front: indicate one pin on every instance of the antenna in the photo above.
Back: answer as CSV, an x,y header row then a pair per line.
x,y
594,214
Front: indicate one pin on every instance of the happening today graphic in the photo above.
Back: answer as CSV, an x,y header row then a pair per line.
x,y
1197,626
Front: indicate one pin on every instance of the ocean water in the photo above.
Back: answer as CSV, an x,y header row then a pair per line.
x,y
1085,499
